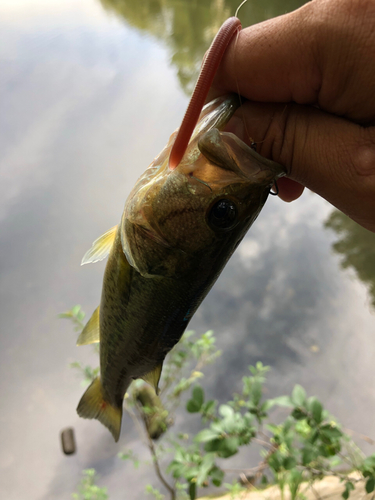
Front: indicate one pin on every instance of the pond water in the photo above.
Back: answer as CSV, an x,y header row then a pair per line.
x,y
90,92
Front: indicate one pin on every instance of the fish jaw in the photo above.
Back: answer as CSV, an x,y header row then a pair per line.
x,y
229,153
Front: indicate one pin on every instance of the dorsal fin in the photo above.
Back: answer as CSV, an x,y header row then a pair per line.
x,y
153,377
91,333
100,248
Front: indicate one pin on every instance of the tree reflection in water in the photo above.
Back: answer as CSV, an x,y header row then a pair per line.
x,y
188,27
356,245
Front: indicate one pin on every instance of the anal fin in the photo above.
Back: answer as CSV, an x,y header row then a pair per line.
x,y
91,333
100,248
153,377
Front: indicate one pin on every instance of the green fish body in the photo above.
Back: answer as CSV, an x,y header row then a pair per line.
x,y
178,229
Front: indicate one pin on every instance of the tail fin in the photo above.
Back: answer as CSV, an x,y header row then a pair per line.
x,y
92,405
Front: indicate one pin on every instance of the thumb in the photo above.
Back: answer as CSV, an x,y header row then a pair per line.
x,y
332,156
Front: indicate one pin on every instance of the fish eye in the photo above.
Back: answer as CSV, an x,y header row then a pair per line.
x,y
223,215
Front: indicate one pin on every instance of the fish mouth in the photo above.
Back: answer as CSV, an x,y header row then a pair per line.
x,y
228,152
216,114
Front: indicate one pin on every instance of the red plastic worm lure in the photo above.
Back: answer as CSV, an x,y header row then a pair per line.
x,y
204,82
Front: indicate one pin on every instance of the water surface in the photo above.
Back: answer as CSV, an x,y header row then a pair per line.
x,y
90,92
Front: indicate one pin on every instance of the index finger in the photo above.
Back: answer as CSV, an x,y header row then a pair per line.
x,y
273,61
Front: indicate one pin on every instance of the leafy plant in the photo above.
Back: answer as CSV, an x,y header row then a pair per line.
x,y
88,490
129,455
76,316
155,492
306,446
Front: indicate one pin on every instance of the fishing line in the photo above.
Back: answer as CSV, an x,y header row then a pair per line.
x,y
247,133
200,180
238,8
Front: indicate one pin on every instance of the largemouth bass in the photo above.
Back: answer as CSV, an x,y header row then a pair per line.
x,y
178,229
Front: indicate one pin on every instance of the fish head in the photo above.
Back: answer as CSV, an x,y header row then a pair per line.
x,y
202,209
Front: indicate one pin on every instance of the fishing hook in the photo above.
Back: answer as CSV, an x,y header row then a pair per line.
x,y
276,192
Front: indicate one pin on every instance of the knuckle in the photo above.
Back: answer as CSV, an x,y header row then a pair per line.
x,y
290,143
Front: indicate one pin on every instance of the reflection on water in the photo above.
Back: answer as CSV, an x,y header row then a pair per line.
x,y
187,28
88,99
356,245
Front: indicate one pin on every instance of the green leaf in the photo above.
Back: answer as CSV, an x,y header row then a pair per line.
x,y
335,461
294,480
308,455
289,463
256,392
280,401
299,413
213,445
180,454
314,436
369,462
76,309
176,468
209,407
330,431
303,428
198,395
275,429
316,409
192,490
191,473
205,467
153,491
129,455
81,316
205,436
298,395
226,411
217,476
228,446
65,315
349,486
264,480
75,364
370,485
274,462
192,406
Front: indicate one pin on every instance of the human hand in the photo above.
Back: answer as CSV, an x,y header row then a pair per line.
x,y
310,80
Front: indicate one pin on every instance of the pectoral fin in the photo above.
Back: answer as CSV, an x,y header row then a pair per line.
x,y
153,377
91,333
100,248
